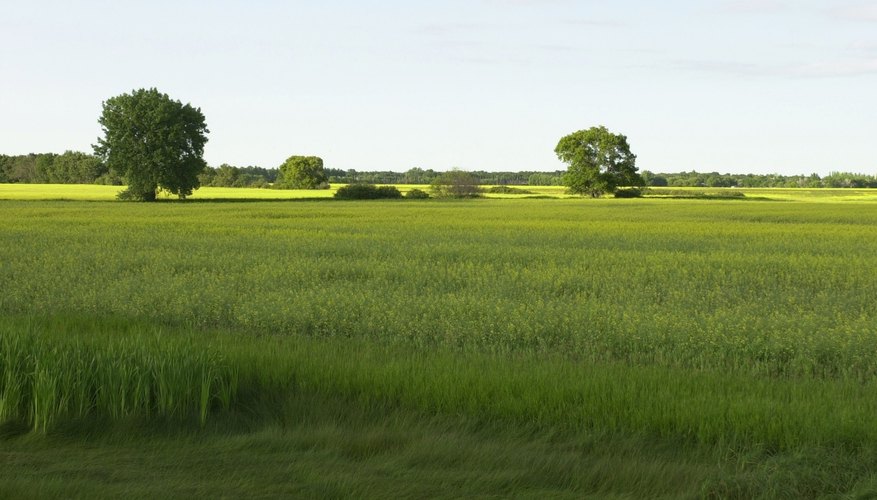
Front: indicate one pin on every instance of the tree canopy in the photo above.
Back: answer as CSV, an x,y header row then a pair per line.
x,y
302,172
153,142
71,167
599,162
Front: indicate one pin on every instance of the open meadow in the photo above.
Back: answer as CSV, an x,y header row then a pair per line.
x,y
568,347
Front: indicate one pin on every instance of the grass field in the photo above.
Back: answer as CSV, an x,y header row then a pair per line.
x,y
541,347
86,192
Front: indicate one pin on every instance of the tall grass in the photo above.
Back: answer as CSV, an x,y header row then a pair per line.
x,y
777,289
67,369
47,377
696,320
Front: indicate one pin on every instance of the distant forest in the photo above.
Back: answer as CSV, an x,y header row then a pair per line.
x,y
74,167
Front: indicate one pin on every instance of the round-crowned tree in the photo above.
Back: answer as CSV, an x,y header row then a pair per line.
x,y
599,162
302,172
153,142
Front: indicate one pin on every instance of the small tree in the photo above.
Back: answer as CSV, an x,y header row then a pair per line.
x,y
599,162
302,172
153,142
417,194
456,184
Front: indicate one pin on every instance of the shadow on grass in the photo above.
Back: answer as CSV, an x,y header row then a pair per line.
x,y
242,200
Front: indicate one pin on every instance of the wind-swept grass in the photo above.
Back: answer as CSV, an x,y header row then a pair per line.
x,y
72,369
706,326
776,289
68,369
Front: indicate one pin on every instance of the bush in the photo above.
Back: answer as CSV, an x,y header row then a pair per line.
x,y
727,194
417,194
629,193
388,192
508,190
367,192
127,195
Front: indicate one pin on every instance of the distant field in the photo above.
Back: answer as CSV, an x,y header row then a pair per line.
x,y
85,192
788,194
682,347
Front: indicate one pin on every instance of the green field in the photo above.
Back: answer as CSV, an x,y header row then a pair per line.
x,y
500,347
85,192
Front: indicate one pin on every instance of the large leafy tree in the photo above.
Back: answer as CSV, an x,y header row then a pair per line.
x,y
153,142
599,162
302,172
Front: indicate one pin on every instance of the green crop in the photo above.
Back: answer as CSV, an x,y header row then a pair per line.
x,y
720,321
772,288
47,378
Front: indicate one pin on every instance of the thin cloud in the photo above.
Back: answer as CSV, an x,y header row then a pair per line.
x,y
725,67
753,6
838,69
493,61
438,29
596,23
557,48
866,47
527,2
860,13
821,69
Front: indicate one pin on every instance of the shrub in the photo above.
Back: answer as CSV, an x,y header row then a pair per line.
x,y
629,193
727,194
417,194
388,192
367,192
508,190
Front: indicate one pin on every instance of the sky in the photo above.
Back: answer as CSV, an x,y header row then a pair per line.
x,y
739,86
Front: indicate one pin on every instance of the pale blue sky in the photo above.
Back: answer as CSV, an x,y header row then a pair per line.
x,y
734,86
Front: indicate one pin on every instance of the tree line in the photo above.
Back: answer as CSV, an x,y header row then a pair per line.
x,y
70,167
152,143
715,179
417,175
76,167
